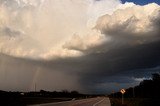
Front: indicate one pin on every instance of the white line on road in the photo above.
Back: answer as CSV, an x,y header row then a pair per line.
x,y
56,103
98,102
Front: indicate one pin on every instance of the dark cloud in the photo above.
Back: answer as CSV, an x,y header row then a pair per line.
x,y
118,65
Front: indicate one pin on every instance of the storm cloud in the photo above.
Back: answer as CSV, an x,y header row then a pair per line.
x,y
90,46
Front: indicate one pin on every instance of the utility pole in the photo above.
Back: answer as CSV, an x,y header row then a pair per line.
x,y
113,94
35,87
133,93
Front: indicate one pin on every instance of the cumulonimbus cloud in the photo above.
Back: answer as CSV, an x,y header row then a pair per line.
x,y
123,41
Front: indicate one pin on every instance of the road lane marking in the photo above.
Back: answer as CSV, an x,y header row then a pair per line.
x,y
98,102
56,103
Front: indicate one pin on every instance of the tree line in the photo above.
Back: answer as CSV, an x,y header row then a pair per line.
x,y
146,89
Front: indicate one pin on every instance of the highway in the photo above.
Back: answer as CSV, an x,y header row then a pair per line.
x,y
99,101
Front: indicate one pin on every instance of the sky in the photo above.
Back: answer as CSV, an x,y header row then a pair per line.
x,y
92,46
142,2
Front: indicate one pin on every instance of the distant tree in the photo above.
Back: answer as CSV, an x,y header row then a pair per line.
x,y
74,92
65,91
156,77
149,88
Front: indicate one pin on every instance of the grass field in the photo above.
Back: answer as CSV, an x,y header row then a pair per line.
x,y
135,102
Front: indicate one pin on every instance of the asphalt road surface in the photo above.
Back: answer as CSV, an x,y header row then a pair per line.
x,y
99,101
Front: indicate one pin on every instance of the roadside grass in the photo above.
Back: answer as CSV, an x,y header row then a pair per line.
x,y
135,102
43,100
29,101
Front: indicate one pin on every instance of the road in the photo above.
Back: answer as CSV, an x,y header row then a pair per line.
x,y
99,101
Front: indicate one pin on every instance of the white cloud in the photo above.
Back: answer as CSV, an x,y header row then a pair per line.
x,y
129,18
139,79
47,24
82,43
64,27
60,53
